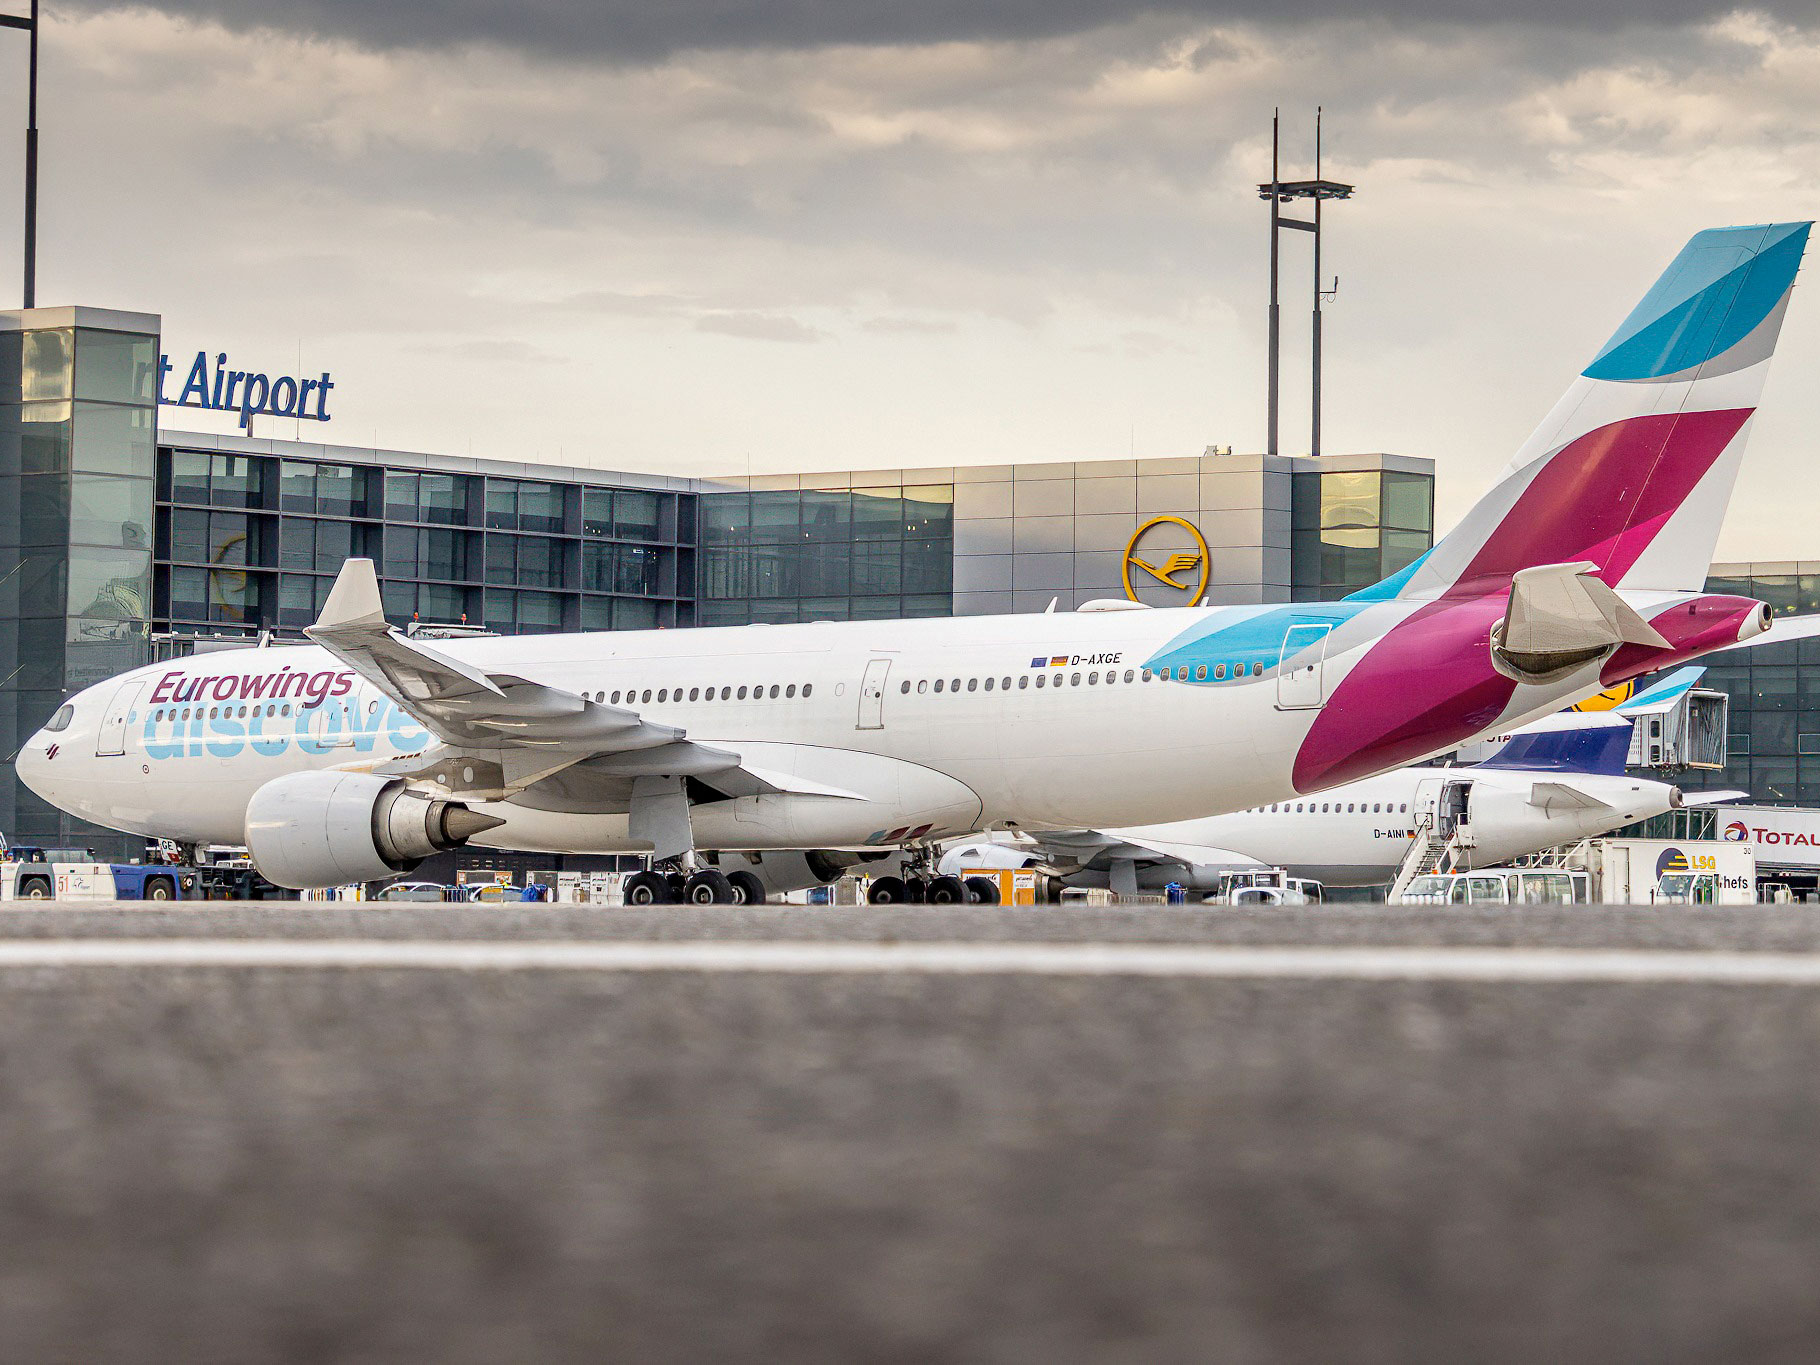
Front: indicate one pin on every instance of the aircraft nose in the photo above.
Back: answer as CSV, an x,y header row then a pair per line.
x,y
33,765
36,760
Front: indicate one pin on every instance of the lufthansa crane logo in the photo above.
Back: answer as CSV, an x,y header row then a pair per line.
x,y
1608,700
1183,570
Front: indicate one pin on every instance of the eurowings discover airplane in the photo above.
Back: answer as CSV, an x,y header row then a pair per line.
x,y
352,759
1556,782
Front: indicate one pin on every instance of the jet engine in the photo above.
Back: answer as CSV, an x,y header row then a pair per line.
x,y
332,828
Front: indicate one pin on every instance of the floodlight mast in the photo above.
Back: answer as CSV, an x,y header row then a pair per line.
x,y
30,25
1279,192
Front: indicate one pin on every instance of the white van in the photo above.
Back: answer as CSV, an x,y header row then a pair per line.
x,y
1498,886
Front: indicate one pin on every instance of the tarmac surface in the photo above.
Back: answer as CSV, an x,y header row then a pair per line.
x,y
241,1133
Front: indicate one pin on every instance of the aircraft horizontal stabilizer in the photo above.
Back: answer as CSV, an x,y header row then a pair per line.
x,y
1554,796
1783,630
1561,617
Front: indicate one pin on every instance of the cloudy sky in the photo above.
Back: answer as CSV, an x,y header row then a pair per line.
x,y
703,236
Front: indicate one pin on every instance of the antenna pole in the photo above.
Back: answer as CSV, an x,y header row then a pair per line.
x,y
1314,428
30,25
31,168
1270,440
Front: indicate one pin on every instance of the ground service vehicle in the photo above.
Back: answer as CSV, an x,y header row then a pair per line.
x,y
1264,886
1497,886
1670,871
31,873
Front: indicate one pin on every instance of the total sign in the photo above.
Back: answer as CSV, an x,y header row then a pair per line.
x,y
212,386
1785,836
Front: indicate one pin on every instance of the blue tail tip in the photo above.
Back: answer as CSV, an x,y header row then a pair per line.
x,y
1715,296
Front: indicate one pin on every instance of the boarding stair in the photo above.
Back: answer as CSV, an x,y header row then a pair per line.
x,y
1426,853
1430,851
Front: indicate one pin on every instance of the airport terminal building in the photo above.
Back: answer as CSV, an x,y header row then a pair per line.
x,y
125,539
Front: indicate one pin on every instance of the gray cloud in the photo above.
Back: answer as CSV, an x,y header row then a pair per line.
x,y
1038,249
493,351
757,327
637,30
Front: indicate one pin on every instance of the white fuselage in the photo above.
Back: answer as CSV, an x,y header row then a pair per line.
x,y
1358,834
889,732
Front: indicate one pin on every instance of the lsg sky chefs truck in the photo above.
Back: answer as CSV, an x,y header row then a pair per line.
x,y
1669,871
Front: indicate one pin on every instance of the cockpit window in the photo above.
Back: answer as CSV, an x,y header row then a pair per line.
x,y
65,714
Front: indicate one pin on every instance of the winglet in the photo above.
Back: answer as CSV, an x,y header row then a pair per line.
x,y
354,600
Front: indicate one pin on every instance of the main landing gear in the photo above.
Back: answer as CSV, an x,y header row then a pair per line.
x,y
939,890
705,886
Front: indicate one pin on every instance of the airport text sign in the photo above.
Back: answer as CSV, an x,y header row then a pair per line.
x,y
1784,836
213,387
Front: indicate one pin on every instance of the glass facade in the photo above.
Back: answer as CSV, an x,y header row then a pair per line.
x,y
1774,745
812,555
253,542
78,427
111,538
1355,528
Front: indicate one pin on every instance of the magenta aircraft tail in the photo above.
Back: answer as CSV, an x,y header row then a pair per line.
x,y
1633,469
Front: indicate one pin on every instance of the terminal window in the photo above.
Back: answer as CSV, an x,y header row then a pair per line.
x,y
1353,528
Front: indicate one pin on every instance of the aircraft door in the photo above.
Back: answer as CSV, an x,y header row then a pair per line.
x,y
1423,808
1301,667
872,695
1454,808
110,739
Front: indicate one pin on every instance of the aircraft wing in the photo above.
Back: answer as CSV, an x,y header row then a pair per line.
x,y
501,733
1101,848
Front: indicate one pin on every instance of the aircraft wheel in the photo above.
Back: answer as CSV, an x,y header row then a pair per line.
x,y
888,891
34,889
747,888
708,887
947,891
982,891
648,888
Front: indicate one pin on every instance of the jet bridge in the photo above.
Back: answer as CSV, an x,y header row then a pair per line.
x,y
1685,730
